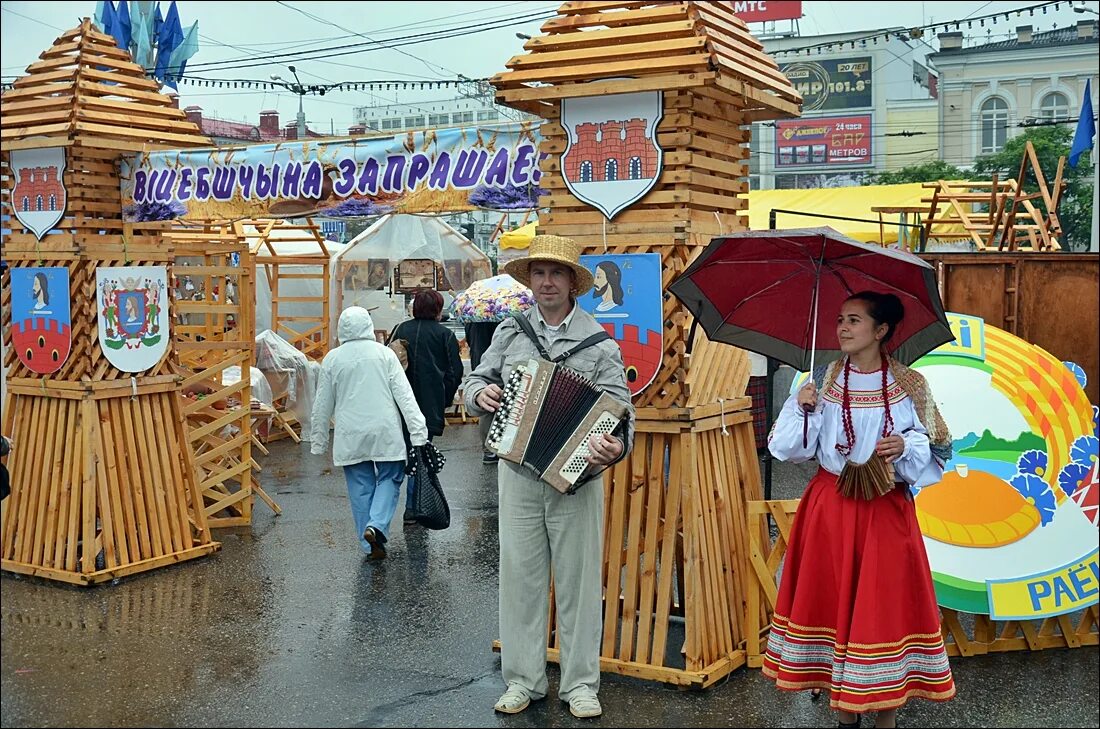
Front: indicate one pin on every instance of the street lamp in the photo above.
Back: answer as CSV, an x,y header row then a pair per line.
x,y
1084,9
299,89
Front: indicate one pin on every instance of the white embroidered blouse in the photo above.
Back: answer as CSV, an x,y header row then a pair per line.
x,y
915,465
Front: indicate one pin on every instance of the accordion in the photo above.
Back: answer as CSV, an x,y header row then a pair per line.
x,y
547,414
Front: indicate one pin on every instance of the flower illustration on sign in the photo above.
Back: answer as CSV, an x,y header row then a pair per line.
x,y
1072,477
1037,493
1085,450
1032,462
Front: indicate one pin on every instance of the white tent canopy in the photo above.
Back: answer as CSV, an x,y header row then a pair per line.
x,y
363,269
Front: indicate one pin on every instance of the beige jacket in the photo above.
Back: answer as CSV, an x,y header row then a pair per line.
x,y
601,363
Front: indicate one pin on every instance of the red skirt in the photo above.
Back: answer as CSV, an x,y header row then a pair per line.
x,y
856,612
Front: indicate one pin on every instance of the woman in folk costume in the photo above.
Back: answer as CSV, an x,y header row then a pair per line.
x,y
856,613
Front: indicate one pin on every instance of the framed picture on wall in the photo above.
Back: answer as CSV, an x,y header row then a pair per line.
x,y
414,274
378,275
453,272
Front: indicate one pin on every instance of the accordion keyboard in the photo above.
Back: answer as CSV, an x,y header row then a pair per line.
x,y
547,414
578,460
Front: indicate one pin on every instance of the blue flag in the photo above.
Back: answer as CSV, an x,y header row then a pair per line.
x,y
1086,128
169,38
105,17
121,27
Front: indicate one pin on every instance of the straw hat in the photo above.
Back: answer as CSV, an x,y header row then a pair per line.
x,y
552,249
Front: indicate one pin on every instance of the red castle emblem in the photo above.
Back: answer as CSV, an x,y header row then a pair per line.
x,y
38,198
613,158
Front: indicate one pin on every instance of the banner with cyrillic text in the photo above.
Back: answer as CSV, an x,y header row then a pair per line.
x,y
433,171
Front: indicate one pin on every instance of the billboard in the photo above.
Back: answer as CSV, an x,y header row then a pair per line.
x,y
832,83
824,141
761,10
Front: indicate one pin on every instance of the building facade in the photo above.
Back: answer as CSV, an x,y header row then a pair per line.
x,y
474,105
990,92
851,87
225,132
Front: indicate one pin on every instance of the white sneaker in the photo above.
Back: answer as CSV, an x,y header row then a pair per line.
x,y
514,700
585,706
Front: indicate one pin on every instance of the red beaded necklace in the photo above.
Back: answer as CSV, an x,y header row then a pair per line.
x,y
846,410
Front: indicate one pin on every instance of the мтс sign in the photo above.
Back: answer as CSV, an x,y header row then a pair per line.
x,y
758,12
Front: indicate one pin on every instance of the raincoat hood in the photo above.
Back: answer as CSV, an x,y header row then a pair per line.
x,y
355,323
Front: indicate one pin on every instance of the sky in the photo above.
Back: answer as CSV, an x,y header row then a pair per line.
x,y
245,30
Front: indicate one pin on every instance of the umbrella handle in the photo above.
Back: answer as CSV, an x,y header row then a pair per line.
x,y
805,428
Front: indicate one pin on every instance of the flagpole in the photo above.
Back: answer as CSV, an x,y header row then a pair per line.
x,y
1095,244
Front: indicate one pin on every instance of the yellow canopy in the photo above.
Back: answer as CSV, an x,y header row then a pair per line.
x,y
852,202
520,237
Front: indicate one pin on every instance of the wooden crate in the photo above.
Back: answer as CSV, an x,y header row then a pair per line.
x,y
1048,300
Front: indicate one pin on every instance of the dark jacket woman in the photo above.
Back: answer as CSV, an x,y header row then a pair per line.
x,y
435,369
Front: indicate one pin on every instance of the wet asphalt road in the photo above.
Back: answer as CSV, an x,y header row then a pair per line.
x,y
288,625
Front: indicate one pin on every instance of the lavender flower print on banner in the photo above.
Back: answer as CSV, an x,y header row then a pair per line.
x,y
506,198
354,207
149,211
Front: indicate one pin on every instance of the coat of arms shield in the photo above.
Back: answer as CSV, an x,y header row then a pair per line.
x,y
612,159
626,301
133,315
38,198
41,318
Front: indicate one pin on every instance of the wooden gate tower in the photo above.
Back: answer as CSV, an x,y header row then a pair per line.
x,y
103,473
676,542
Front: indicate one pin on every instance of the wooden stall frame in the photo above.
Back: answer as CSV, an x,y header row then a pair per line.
x,y
266,238
104,474
1013,220
226,470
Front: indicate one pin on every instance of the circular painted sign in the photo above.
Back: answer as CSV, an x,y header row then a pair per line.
x,y
1011,530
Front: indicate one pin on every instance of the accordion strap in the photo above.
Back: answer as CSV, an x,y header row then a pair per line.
x,y
525,325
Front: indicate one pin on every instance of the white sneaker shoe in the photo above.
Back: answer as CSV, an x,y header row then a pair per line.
x,y
585,706
514,700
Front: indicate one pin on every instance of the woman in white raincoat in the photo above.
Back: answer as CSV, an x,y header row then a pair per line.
x,y
362,382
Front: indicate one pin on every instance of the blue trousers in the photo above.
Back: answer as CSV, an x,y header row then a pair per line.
x,y
373,490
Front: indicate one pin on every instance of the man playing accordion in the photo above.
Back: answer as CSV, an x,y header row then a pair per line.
x,y
539,526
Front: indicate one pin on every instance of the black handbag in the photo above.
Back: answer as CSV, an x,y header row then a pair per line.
x,y
430,507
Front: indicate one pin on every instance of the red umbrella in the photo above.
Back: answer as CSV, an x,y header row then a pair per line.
x,y
778,292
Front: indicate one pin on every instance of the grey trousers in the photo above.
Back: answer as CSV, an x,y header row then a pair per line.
x,y
540,528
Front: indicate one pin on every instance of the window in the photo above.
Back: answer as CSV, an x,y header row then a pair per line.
x,y
394,123
414,121
38,203
994,116
26,204
611,170
1055,106
586,173
635,168
487,115
462,117
436,120
53,201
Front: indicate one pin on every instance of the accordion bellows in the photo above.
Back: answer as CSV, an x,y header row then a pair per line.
x,y
868,480
547,414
